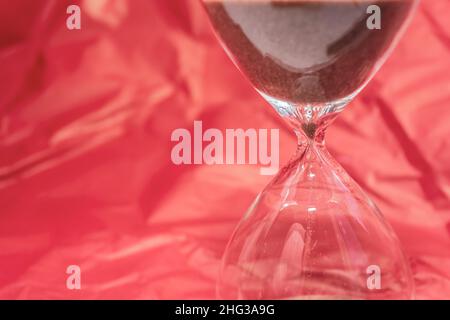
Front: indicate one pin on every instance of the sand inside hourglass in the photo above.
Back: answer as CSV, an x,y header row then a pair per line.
x,y
306,51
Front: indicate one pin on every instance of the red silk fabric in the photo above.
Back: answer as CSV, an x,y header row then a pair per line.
x,y
86,176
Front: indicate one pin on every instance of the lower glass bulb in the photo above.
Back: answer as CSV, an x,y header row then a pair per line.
x,y
312,233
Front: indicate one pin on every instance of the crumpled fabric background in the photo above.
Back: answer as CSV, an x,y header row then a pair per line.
x,y
85,171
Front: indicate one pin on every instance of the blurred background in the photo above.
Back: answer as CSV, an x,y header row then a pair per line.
x,y
86,176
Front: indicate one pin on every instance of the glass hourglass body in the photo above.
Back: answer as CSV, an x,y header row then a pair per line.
x,y
312,232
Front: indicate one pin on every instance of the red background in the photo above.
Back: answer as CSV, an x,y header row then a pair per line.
x,y
85,170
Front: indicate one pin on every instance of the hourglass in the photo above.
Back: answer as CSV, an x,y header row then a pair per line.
x,y
312,233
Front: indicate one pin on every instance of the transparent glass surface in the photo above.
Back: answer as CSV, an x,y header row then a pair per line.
x,y
312,232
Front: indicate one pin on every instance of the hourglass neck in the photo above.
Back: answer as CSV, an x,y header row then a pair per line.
x,y
309,121
311,132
